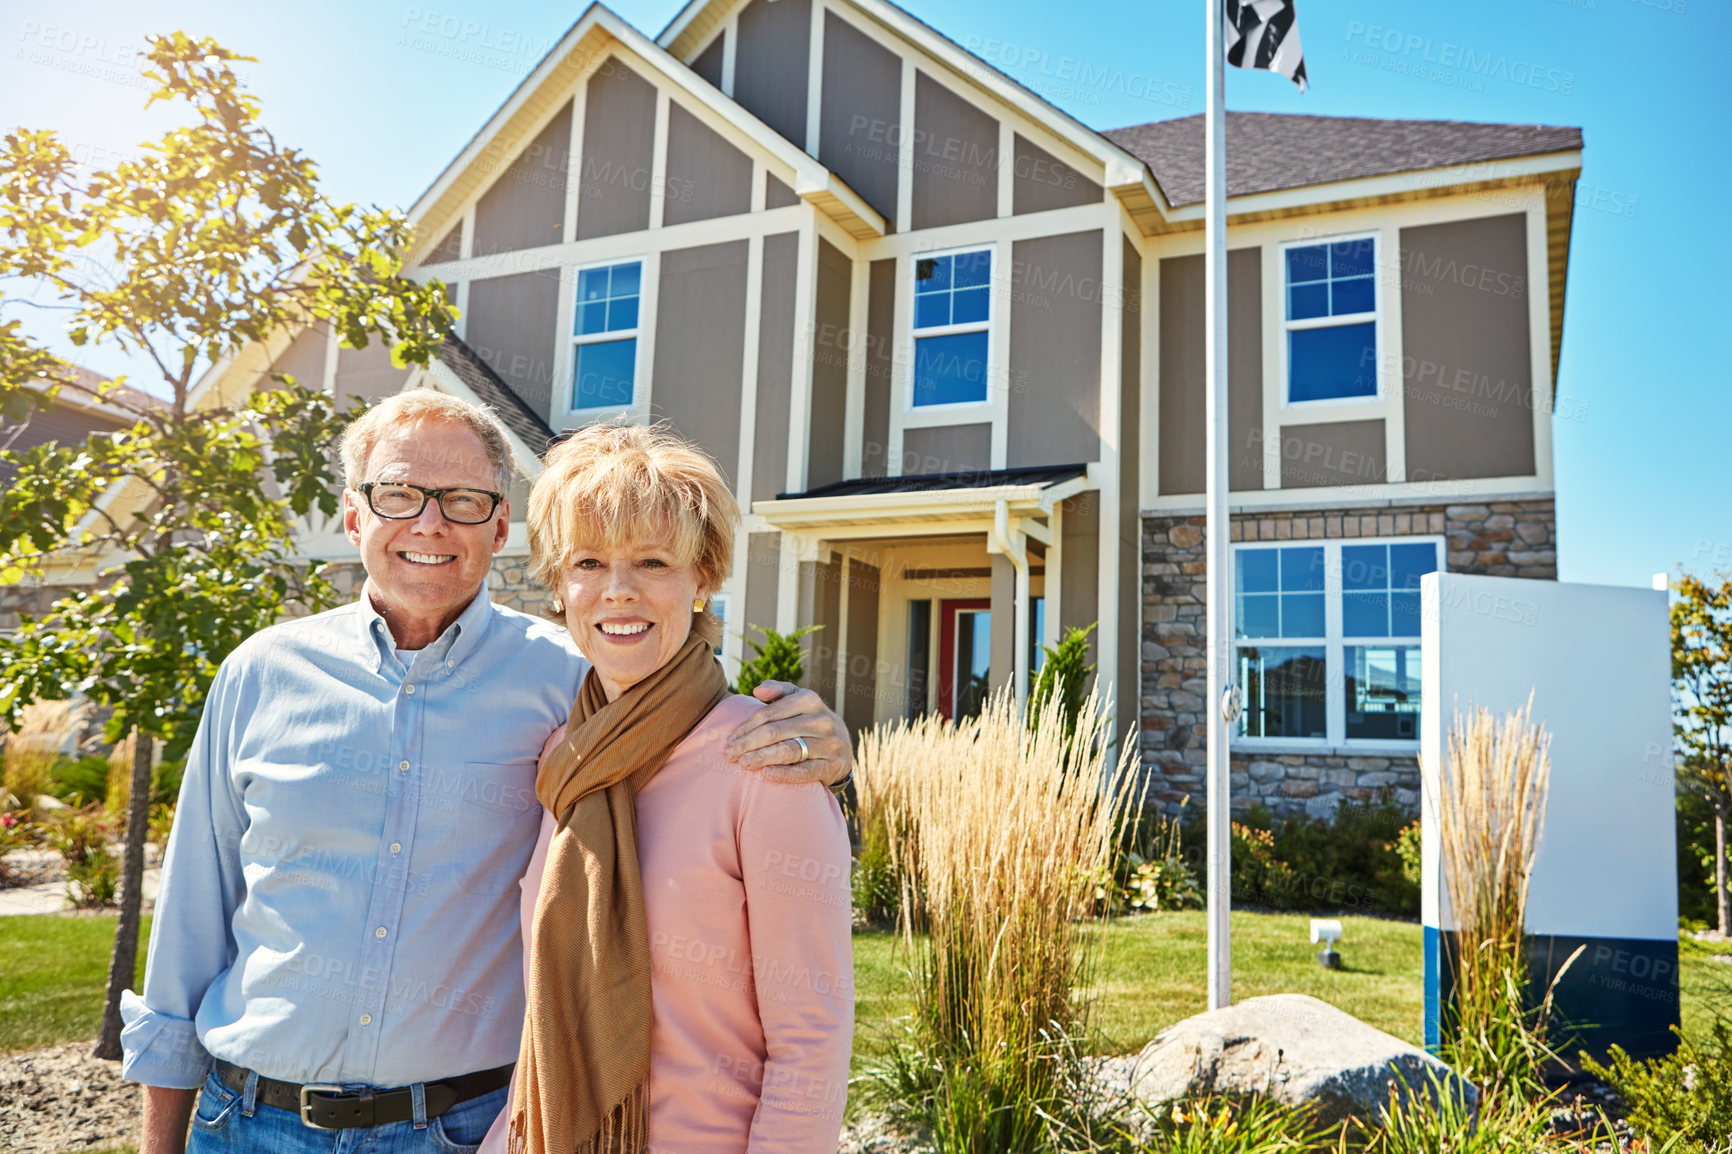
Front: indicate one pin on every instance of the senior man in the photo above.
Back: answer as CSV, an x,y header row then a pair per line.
x,y
335,956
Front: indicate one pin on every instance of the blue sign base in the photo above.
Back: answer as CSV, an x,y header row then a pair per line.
x,y
1621,991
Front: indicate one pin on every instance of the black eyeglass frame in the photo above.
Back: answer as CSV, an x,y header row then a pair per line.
x,y
365,488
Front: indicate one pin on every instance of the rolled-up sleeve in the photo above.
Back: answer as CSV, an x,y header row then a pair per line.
x,y
191,937
794,860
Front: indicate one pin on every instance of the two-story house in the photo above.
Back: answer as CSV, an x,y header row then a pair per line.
x,y
947,342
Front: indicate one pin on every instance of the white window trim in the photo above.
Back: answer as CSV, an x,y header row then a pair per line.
x,y
576,341
1378,317
1334,643
915,334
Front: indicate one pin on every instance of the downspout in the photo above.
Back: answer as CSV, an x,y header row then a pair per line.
x,y
1015,547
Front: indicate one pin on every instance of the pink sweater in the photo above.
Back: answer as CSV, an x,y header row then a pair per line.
x,y
746,892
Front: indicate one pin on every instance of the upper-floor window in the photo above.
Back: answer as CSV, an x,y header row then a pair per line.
x,y
605,335
952,327
1331,319
1327,637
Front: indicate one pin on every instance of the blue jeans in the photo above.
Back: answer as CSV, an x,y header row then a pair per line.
x,y
225,1121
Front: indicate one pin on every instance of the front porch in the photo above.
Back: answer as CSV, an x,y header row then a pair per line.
x,y
933,592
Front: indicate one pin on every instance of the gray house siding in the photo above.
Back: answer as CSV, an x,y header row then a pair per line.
x,y
700,347
947,449
880,368
829,367
861,112
775,366
707,176
619,123
1181,457
1469,403
513,324
770,63
1043,181
525,205
1055,351
955,158
1333,453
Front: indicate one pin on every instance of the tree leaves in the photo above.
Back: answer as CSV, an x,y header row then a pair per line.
x,y
212,238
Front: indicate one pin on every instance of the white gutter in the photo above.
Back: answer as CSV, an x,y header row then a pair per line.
x,y
1014,545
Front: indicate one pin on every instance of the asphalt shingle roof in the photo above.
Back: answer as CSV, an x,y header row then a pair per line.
x,y
1042,475
491,390
1268,151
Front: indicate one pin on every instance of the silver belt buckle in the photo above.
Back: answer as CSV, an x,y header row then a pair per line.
x,y
306,1106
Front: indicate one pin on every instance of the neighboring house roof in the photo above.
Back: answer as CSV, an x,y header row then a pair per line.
x,y
1269,151
74,415
489,389
918,483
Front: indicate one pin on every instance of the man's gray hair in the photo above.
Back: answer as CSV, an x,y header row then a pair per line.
x,y
415,407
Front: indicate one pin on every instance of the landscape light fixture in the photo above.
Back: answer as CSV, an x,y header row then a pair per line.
x,y
1327,931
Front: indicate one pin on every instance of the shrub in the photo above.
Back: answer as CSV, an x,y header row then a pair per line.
x,y
1149,870
1685,1095
779,658
81,838
998,832
1063,677
80,782
1353,859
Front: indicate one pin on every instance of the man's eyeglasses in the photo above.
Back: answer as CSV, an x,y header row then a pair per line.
x,y
400,501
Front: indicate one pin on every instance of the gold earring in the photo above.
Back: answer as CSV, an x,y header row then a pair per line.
x,y
698,605
558,605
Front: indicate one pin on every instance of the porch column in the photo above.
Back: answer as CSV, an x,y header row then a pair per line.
x,y
1003,621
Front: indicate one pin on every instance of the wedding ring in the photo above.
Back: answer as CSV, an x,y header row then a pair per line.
x,y
805,754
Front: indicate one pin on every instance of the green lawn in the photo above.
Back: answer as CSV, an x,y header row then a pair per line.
x,y
53,970
1154,973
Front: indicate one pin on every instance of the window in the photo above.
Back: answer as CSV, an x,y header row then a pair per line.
x,y
1331,320
952,327
1327,639
605,334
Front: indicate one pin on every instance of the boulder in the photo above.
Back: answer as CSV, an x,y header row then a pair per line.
x,y
1295,1050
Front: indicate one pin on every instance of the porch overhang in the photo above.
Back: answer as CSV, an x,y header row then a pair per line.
x,y
925,506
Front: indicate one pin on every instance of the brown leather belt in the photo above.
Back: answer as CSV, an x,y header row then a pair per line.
x,y
328,1107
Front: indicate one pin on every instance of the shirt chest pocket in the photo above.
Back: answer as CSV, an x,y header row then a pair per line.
x,y
479,819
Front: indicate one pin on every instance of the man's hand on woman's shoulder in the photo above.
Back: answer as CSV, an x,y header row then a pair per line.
x,y
766,740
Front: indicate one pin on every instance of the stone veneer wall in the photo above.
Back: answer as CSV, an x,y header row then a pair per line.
x,y
508,582
1495,538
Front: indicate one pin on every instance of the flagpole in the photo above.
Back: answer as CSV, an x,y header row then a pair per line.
x,y
1216,559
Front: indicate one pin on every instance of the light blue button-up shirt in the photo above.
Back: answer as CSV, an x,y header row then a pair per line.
x,y
339,899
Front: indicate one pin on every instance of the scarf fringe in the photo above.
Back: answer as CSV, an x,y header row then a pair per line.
x,y
625,1129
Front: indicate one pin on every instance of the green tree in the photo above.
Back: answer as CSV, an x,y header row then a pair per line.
x,y
1702,719
217,238
1064,675
779,658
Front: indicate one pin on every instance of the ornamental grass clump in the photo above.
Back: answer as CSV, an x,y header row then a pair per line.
x,y
44,729
998,832
1490,810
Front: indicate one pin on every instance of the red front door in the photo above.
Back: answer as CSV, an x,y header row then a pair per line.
x,y
964,656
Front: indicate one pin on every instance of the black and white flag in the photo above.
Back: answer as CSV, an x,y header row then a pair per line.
x,y
1264,34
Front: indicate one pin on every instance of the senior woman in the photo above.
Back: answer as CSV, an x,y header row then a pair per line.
x,y
687,947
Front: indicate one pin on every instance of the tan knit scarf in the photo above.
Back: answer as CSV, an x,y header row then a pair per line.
x,y
583,1069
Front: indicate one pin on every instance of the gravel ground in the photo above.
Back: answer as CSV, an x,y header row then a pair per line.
x,y
62,1099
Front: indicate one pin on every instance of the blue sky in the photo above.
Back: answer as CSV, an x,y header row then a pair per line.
x,y
383,94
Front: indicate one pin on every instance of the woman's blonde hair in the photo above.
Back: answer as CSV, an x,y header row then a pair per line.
x,y
610,484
